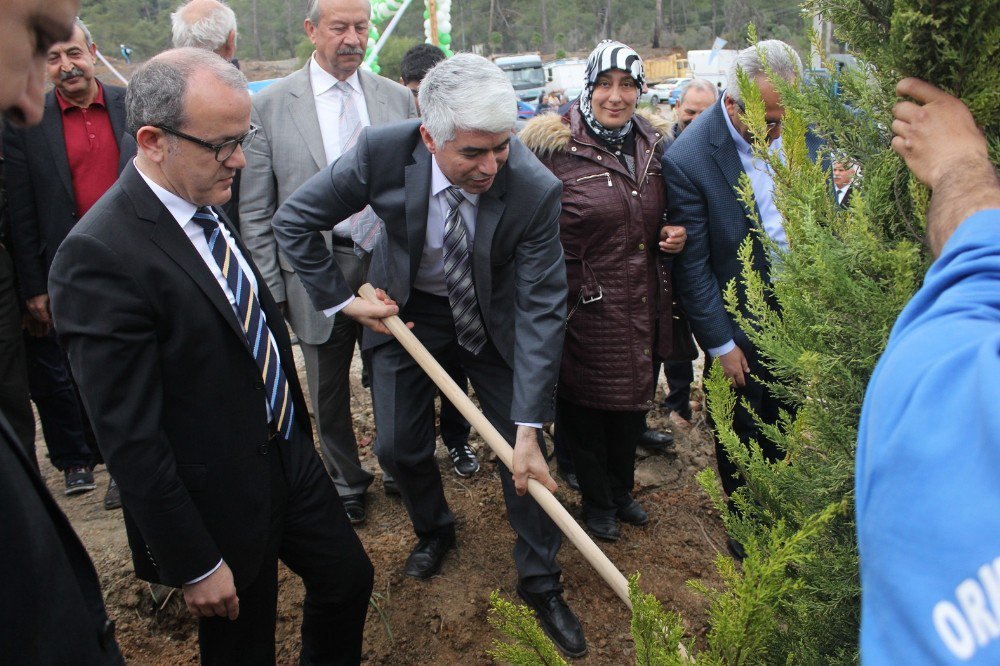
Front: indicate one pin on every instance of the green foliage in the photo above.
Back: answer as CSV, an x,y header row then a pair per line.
x,y
391,56
657,634
528,644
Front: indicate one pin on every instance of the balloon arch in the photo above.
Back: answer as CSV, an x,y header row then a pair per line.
x,y
437,29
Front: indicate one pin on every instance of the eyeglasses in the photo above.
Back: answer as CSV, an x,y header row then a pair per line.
x,y
771,126
223,151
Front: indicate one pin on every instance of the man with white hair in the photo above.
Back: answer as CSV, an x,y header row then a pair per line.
x,y
702,170
455,186
205,24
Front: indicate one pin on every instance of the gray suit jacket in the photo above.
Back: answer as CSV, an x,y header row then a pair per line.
x,y
702,171
517,259
286,152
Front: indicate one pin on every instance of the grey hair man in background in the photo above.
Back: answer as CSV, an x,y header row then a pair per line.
x,y
184,362
454,186
702,170
307,120
205,24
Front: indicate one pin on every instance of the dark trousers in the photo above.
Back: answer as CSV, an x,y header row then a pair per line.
x,y
764,403
680,376
562,445
603,450
14,395
64,424
454,428
403,396
311,534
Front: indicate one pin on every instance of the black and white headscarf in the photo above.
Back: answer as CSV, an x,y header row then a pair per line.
x,y
608,55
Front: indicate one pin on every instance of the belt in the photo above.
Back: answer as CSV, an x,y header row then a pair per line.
x,y
342,242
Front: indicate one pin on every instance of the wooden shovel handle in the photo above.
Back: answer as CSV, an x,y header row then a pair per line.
x,y
594,555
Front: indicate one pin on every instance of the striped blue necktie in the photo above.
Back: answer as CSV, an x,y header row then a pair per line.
x,y
258,335
458,275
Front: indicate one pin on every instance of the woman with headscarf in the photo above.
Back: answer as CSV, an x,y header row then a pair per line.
x,y
617,248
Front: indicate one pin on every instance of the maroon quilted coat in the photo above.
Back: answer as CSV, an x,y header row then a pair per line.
x,y
618,287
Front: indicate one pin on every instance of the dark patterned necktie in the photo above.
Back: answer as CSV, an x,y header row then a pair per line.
x,y
458,274
258,335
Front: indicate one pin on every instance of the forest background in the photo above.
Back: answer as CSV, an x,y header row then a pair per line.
x,y
272,29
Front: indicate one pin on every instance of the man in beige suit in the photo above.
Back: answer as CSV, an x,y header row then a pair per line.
x,y
307,120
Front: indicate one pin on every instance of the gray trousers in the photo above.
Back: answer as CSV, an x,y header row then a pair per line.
x,y
328,373
403,396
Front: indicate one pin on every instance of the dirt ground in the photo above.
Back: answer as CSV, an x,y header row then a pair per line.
x,y
444,620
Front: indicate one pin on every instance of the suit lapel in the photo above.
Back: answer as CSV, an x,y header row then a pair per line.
x,y
725,155
301,107
375,100
166,234
417,176
52,129
490,210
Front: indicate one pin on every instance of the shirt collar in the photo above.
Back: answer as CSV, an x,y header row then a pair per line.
x,y
323,80
440,182
741,144
181,210
65,105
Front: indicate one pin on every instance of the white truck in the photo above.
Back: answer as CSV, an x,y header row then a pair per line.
x,y
525,73
565,74
711,65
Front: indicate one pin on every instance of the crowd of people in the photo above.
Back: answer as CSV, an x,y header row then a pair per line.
x,y
162,237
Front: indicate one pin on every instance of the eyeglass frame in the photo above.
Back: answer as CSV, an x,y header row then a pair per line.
x,y
217,147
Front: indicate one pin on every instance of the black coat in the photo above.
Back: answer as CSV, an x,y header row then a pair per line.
x,y
39,187
172,389
53,611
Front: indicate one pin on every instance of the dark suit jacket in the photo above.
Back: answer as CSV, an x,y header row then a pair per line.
x,y
702,171
40,187
53,612
517,260
172,389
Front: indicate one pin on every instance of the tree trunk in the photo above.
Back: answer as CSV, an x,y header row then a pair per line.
x,y
254,30
606,30
489,31
658,25
546,43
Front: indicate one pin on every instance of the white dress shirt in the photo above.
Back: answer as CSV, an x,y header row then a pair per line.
x,y
328,106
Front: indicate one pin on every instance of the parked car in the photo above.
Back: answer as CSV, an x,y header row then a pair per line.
x,y
651,96
525,110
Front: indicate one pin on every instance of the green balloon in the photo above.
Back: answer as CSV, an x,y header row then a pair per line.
x,y
444,38
427,14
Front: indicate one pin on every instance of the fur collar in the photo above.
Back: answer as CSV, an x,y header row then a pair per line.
x,y
549,133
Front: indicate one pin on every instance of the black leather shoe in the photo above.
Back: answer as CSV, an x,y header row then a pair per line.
x,y
557,620
652,440
632,513
425,560
354,505
603,527
571,480
736,549
390,487
112,498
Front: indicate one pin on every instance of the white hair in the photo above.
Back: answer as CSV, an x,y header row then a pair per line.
x,y
755,61
703,85
466,92
209,32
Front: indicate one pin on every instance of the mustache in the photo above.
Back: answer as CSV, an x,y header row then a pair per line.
x,y
76,71
351,50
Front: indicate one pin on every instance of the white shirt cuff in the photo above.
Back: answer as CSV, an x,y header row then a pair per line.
x,y
329,312
716,352
529,425
205,575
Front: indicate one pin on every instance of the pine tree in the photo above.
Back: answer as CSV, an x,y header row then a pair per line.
x,y
843,281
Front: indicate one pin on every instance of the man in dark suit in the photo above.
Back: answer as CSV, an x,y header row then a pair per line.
x,y
844,174
53,611
702,170
472,254
185,367
55,173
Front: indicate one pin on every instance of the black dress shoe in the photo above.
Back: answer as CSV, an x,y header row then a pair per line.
x,y
112,498
557,620
354,505
603,527
736,549
652,440
425,560
571,480
632,513
390,487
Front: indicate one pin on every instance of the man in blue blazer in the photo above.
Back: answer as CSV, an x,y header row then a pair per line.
x,y
702,170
